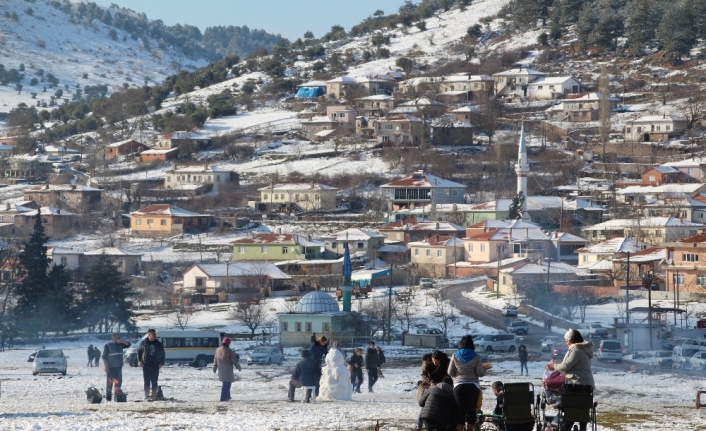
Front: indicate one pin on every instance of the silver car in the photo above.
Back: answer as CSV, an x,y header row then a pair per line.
x,y
49,361
265,356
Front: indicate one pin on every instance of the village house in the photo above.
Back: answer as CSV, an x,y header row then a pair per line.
x,y
652,230
515,82
337,87
361,242
57,223
127,263
516,280
422,189
378,84
465,113
6,150
187,141
247,280
412,230
638,195
26,167
164,220
584,108
417,107
8,211
339,119
552,87
608,250
694,167
686,264
491,240
59,151
658,175
378,105
70,259
208,177
654,128
65,196
303,196
464,88
445,130
124,148
398,129
158,156
431,257
274,247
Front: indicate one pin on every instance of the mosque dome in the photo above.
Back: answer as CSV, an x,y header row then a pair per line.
x,y
317,302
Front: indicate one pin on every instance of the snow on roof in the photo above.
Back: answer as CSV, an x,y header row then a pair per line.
x,y
298,187
536,269
47,211
421,179
424,226
267,238
601,265
689,188
157,152
343,79
59,149
166,209
615,245
453,92
443,241
242,269
111,251
354,234
498,224
550,80
325,133
665,169
313,84
399,117
493,264
121,143
647,222
566,237
688,163
467,108
308,262
519,71
378,97
448,121
48,188
422,101
650,255
319,119
656,118
594,95
198,168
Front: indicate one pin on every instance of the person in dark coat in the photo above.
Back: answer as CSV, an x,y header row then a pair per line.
x,y
90,356
439,406
371,364
522,353
319,349
150,357
96,355
307,372
499,392
113,363
356,365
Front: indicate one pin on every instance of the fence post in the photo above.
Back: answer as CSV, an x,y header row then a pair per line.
x,y
699,404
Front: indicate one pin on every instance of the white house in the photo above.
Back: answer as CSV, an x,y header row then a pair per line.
x,y
654,128
515,81
552,87
6,151
177,178
362,242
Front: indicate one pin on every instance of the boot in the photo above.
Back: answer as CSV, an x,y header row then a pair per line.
x,y
147,394
154,395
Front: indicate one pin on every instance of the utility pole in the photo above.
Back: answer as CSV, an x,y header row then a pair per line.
x,y
675,280
649,302
627,294
498,283
549,271
389,306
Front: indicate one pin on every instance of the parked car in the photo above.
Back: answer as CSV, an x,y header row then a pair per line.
x,y
662,359
433,331
593,330
548,342
610,350
698,361
265,355
559,351
510,311
519,327
49,361
681,357
482,353
426,283
495,342
380,335
694,343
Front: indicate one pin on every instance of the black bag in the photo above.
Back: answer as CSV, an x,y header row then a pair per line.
x,y
93,395
121,398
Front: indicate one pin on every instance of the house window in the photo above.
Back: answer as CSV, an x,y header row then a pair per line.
x,y
388,126
138,222
668,128
150,221
316,197
285,250
678,279
627,130
307,327
297,326
701,280
361,245
539,87
326,327
284,327
455,192
416,252
427,253
241,249
163,222
470,247
296,196
264,249
652,178
64,261
265,196
689,257
385,138
200,281
482,248
439,253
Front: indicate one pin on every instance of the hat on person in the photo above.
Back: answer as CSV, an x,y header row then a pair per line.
x,y
226,341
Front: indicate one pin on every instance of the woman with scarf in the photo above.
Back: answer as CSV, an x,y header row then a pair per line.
x,y
435,367
466,367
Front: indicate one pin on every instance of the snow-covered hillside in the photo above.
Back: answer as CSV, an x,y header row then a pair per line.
x,y
80,54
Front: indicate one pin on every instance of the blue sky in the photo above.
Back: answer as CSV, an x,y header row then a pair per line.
x,y
290,18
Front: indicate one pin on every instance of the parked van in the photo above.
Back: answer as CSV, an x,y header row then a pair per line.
x,y
610,350
187,347
681,357
495,342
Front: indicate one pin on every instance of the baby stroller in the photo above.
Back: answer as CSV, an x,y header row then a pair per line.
x,y
552,383
575,405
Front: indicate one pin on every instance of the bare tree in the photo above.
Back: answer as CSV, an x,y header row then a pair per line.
x,y
569,304
252,315
444,314
180,318
692,109
377,310
405,313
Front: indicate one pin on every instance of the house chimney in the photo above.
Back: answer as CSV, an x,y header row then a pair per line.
x,y
46,186
437,225
58,211
7,207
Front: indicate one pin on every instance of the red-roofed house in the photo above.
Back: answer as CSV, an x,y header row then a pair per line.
x,y
686,264
162,220
123,148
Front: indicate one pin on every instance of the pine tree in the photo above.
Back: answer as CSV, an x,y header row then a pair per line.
x,y
585,25
609,26
676,32
642,20
572,9
108,297
515,211
44,300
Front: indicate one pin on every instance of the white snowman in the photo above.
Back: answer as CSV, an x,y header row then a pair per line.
x,y
335,384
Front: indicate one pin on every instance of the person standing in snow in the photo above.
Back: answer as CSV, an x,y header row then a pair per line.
x,y
150,357
319,349
381,360
356,364
522,353
224,361
113,363
96,355
576,365
371,364
90,356
466,368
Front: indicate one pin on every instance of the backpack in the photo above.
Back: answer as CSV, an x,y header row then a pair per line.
x,y
93,395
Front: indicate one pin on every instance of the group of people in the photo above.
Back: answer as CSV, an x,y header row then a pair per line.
x,y
373,361
150,357
449,391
